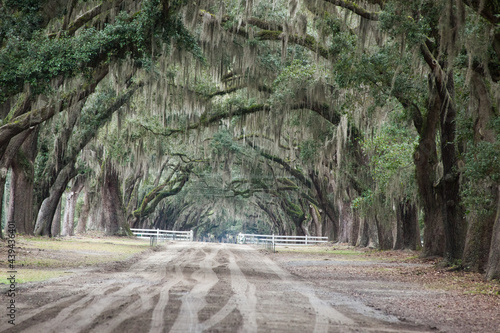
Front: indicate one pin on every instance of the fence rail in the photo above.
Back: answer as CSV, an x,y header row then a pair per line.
x,y
163,235
278,240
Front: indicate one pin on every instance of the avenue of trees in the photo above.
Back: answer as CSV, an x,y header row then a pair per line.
x,y
373,122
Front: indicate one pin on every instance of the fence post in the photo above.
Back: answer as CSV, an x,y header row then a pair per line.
x,y
306,239
191,235
157,232
273,239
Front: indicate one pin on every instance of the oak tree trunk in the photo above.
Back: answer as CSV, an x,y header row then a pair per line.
x,y
55,229
428,182
69,211
480,228
21,188
407,230
112,218
454,224
81,226
318,230
367,236
493,267
5,161
384,234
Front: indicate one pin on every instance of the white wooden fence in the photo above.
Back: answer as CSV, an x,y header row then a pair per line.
x,y
163,235
277,240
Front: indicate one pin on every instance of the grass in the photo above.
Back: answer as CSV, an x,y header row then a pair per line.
x,y
32,275
41,258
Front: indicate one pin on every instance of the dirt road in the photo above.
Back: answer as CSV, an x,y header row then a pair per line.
x,y
194,287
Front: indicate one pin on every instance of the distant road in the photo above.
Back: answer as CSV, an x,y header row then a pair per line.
x,y
192,287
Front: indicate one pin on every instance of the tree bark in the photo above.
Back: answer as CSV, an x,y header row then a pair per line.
x,y
407,230
480,228
367,236
428,182
38,116
452,208
493,267
55,229
112,219
318,230
398,230
94,216
21,188
384,233
5,162
81,227
69,211
326,206
411,230
274,219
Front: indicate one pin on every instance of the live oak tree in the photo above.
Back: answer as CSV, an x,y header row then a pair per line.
x,y
352,119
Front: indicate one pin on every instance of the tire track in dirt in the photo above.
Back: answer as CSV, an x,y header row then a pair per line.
x,y
324,313
192,287
218,296
126,293
328,317
243,300
194,301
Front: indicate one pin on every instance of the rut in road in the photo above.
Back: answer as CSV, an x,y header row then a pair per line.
x,y
194,287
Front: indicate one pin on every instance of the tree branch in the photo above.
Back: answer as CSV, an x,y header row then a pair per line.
x,y
355,8
35,117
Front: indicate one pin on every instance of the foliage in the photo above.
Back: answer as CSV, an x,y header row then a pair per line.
x,y
397,19
293,81
222,143
364,202
483,176
391,156
38,59
19,18
308,150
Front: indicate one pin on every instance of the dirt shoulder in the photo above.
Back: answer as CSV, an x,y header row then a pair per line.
x,y
400,284
41,258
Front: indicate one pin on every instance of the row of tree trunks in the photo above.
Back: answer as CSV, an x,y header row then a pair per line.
x,y
48,208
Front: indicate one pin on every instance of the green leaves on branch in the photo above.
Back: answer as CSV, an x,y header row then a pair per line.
x,y
37,60
483,176
223,143
294,81
391,155
397,20
309,150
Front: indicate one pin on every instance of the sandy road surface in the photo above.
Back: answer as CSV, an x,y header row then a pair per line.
x,y
194,287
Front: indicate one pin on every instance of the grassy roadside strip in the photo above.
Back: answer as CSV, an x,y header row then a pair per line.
x,y
40,259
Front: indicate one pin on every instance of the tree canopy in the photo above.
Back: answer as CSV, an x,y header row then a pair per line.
x,y
373,122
